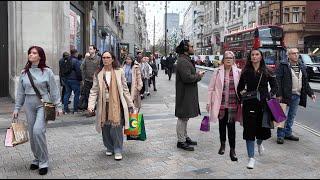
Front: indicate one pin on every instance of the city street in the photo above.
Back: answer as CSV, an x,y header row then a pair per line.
x,y
76,149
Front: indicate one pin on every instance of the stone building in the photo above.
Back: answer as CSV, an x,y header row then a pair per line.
x,y
299,19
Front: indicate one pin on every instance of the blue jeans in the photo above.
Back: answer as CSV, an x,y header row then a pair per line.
x,y
250,147
293,107
71,85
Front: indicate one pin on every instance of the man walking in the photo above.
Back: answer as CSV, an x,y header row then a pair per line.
x,y
72,81
293,90
187,100
170,61
88,67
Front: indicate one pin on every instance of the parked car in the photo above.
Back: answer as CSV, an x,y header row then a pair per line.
x,y
313,66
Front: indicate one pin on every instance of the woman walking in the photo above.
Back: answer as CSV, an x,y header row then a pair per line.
x,y
255,76
44,81
223,102
152,79
134,81
114,104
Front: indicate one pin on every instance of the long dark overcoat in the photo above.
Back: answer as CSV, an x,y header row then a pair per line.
x,y
187,100
253,109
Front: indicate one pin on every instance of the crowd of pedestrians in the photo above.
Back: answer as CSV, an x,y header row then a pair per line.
x,y
111,92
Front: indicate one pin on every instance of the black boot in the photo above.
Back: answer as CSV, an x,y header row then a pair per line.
x,y
233,155
185,146
190,142
43,171
222,148
33,167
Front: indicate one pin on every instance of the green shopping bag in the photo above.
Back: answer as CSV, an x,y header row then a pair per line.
x,y
141,130
133,129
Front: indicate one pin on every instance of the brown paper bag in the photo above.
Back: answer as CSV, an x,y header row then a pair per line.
x,y
20,133
281,124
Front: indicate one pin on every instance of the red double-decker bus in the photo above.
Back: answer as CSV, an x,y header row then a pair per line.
x,y
267,38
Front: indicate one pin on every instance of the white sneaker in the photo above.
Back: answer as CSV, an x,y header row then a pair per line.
x,y
109,153
251,163
260,149
118,156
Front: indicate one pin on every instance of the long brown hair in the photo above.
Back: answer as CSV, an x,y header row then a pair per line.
x,y
115,63
42,55
262,68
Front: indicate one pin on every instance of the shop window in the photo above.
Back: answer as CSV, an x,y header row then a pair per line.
x,y
76,29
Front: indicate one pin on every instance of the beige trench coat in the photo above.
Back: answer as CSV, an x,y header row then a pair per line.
x,y
136,85
96,91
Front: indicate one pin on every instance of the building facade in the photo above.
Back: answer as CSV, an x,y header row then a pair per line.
x,y
299,19
64,25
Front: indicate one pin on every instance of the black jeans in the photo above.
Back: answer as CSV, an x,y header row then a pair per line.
x,y
170,70
152,80
223,124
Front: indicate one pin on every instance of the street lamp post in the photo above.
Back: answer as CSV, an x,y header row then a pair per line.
x,y
165,30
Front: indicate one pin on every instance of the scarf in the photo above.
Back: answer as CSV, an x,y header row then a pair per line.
x,y
232,105
113,113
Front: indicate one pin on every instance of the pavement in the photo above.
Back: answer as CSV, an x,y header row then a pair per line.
x,y
76,149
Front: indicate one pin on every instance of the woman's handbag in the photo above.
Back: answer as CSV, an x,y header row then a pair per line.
x,y
20,132
205,124
267,119
49,108
252,94
276,110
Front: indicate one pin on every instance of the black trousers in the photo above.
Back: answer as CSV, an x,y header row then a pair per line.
x,y
170,70
223,124
152,80
83,102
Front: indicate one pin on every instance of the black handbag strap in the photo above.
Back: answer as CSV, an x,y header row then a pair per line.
x,y
259,82
34,87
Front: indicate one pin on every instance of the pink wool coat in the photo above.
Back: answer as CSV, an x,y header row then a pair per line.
x,y
215,90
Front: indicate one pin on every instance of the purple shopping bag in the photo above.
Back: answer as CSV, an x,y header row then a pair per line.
x,y
205,124
276,110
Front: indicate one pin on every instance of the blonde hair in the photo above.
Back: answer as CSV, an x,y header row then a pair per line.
x,y
227,53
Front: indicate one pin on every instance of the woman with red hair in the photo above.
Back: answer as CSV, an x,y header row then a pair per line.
x,y
44,81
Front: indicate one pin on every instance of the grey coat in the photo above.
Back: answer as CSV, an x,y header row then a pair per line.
x,y
187,100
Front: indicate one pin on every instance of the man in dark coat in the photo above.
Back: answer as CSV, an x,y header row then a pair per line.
x,y
187,101
293,90
169,62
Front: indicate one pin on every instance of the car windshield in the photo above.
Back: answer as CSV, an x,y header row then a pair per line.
x,y
316,59
307,59
273,56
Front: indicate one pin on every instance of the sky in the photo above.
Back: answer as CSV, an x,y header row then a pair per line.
x,y
157,9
